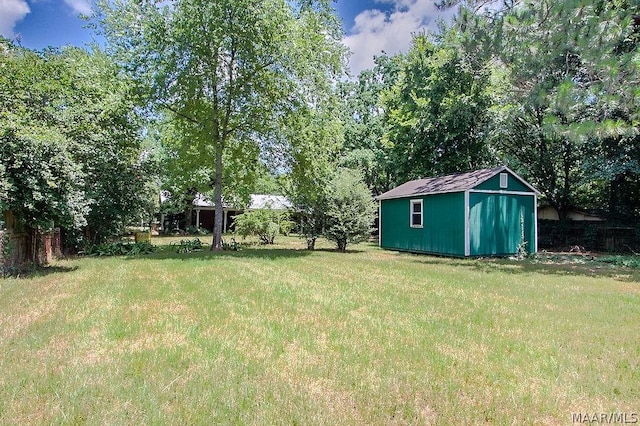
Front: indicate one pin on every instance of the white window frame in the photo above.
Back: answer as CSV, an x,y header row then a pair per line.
x,y
504,180
411,213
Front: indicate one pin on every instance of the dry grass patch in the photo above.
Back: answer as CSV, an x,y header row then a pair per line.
x,y
282,335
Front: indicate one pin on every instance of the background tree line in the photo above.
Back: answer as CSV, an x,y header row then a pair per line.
x,y
230,97
548,88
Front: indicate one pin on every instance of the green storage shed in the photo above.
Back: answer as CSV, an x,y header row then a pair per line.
x,y
489,212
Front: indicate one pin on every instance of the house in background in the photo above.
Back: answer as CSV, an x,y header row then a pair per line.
x,y
203,210
490,212
578,215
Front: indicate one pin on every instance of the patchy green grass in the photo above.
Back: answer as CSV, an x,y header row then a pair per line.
x,y
282,335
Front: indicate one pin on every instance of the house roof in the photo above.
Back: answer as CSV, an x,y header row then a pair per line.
x,y
450,183
256,201
275,202
201,200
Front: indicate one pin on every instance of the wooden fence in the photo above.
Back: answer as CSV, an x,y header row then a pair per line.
x,y
18,249
592,236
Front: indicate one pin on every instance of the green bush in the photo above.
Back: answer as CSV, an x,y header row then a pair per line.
x,y
233,245
119,248
349,210
286,226
265,223
194,230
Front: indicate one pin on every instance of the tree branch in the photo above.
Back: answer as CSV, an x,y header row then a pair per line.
x,y
173,110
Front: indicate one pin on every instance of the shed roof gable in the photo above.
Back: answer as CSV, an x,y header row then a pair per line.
x,y
450,183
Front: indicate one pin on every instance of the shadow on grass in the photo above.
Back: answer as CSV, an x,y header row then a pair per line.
x,y
40,271
248,251
581,267
206,254
333,250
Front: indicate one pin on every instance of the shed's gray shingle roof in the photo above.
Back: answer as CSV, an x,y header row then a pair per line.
x,y
449,183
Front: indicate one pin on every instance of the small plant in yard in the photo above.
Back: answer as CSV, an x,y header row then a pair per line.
x,y
233,245
626,261
194,230
187,246
522,252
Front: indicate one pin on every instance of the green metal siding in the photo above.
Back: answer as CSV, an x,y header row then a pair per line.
x,y
443,225
499,222
513,184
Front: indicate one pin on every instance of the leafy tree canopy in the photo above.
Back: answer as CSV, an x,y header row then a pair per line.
x,y
70,140
228,73
436,113
565,94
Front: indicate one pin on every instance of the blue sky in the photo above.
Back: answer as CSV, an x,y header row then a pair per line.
x,y
371,26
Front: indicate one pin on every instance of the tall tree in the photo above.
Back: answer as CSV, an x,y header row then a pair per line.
x,y
228,72
317,137
567,95
101,117
436,113
43,184
364,147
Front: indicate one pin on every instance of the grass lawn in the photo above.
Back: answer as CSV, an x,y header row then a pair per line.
x,y
283,335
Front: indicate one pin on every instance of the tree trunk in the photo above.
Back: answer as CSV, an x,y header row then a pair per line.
x,y
217,199
563,212
311,243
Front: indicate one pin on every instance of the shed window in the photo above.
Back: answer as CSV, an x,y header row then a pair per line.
x,y
504,180
416,213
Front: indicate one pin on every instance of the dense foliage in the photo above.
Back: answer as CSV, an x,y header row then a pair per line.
x,y
547,88
565,97
436,114
363,118
119,248
71,146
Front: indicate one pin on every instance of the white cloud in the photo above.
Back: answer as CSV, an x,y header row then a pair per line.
x,y
79,6
374,31
11,12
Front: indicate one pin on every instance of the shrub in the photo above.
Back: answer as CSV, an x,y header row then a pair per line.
x,y
119,248
265,223
349,210
626,261
286,226
232,245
